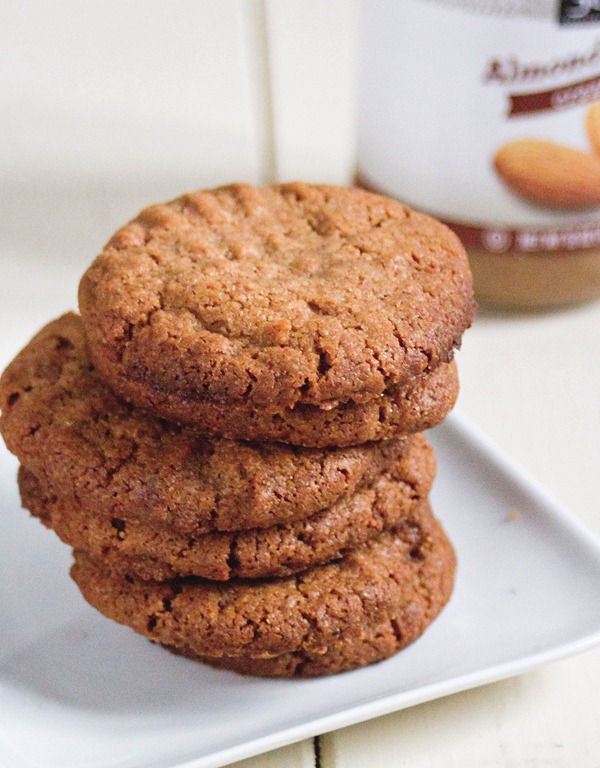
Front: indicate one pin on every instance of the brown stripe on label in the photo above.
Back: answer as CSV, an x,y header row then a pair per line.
x,y
528,240
573,95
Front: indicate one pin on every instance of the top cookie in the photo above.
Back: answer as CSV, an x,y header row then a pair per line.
x,y
275,296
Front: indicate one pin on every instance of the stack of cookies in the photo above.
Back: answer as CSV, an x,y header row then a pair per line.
x,y
230,436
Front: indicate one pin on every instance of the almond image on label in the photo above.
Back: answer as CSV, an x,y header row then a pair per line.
x,y
550,174
592,124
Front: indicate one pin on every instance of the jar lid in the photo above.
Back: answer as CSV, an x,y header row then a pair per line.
x,y
537,9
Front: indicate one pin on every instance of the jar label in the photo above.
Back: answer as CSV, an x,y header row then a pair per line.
x,y
490,122
528,240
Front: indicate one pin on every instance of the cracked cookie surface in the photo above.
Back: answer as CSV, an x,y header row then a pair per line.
x,y
422,404
67,427
374,642
388,580
273,297
132,546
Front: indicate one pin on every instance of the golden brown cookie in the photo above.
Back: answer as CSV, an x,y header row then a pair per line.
x,y
274,297
132,546
422,404
366,645
389,579
97,453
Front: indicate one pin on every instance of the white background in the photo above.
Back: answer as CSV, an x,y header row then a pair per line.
x,y
105,107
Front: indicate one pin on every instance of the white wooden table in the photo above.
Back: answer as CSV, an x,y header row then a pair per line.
x,y
107,107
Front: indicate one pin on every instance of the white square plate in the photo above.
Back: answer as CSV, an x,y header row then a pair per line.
x,y
76,689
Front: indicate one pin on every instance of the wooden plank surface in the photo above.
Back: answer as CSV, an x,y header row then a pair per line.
x,y
523,722
109,106
312,55
300,755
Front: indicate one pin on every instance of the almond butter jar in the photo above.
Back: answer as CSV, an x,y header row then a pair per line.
x,y
486,114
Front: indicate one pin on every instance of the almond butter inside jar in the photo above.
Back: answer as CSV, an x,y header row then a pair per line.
x,y
486,114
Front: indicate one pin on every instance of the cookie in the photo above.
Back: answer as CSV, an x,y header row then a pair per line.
x,y
389,579
404,410
79,439
136,548
274,297
369,644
